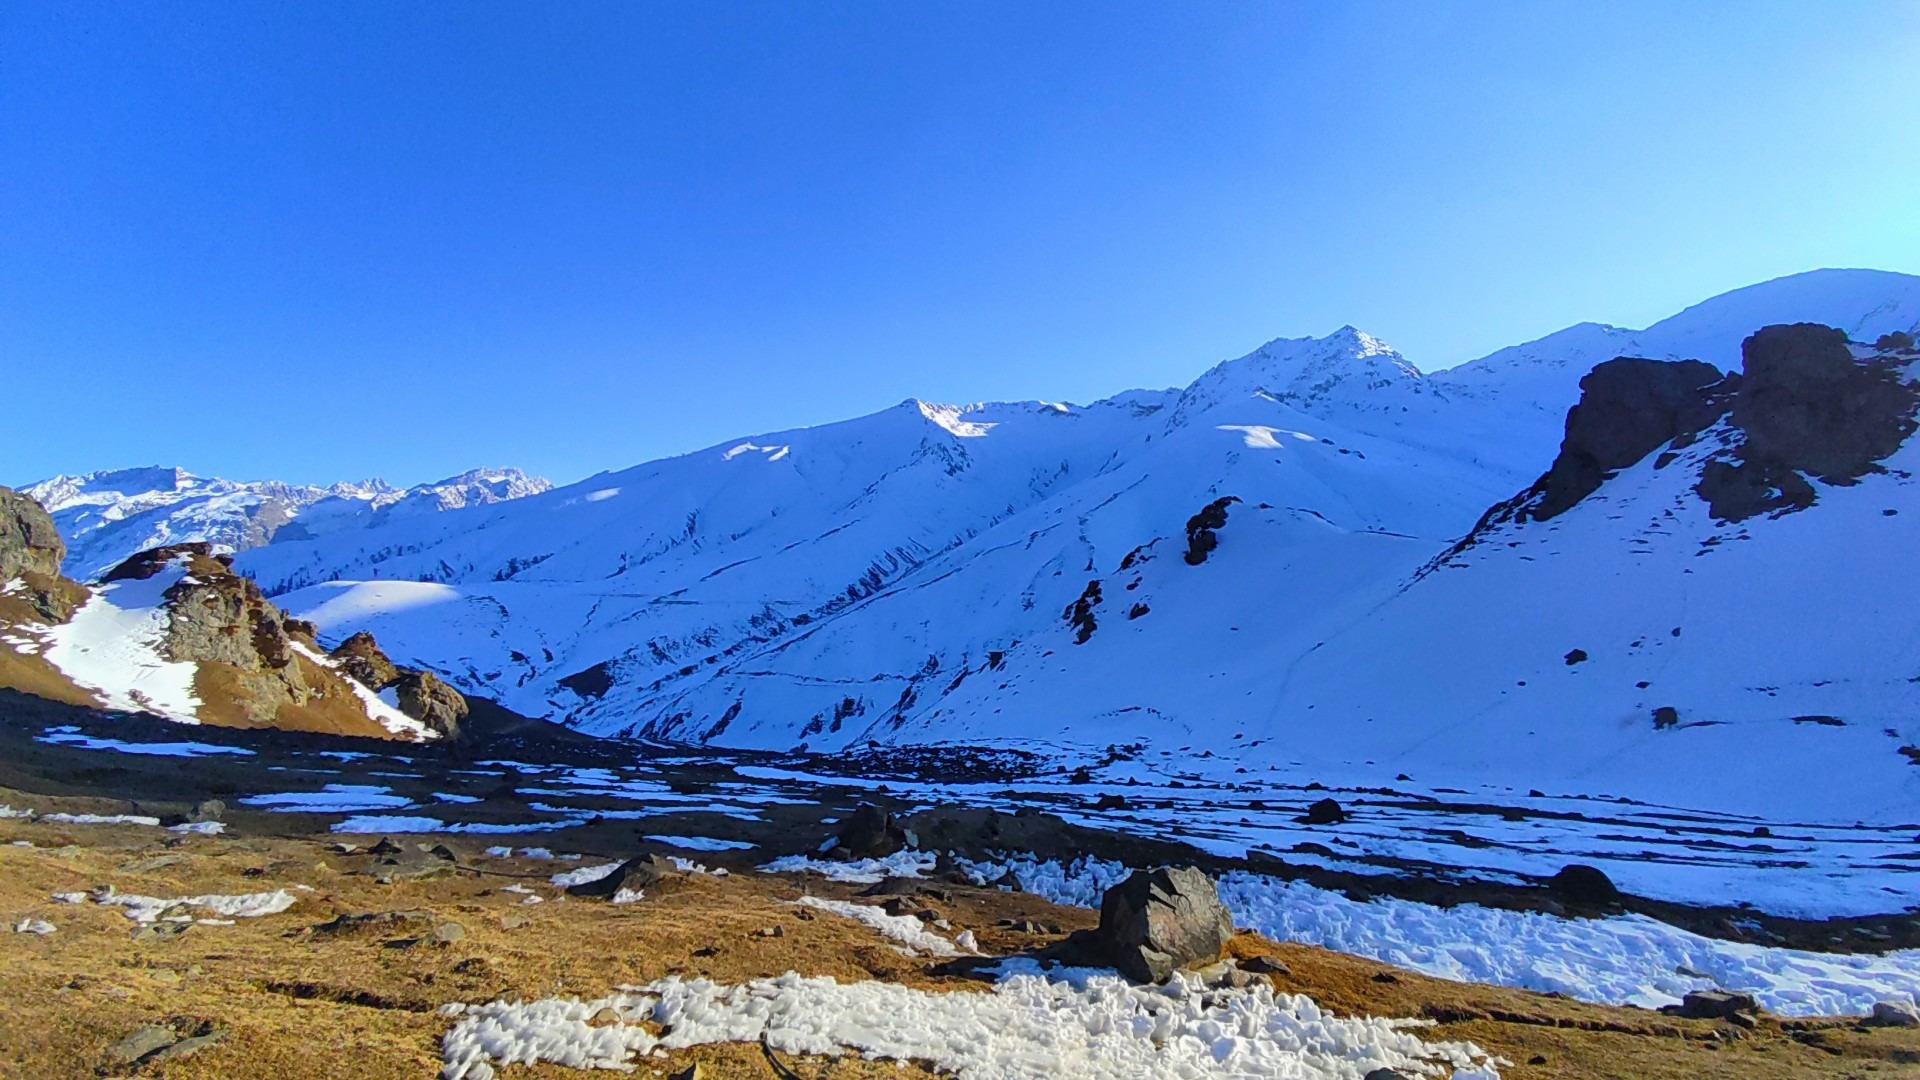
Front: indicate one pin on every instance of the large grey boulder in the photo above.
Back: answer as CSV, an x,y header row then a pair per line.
x,y
424,697
29,544
1159,921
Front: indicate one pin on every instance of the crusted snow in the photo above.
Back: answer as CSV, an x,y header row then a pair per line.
x,y
71,736
1029,1026
569,878
111,646
149,909
334,798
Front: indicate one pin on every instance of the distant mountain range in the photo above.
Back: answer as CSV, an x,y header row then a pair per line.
x,y
107,516
1314,554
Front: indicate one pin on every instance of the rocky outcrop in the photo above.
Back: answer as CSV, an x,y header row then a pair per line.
x,y
1159,921
361,657
30,553
870,833
423,696
1203,529
1807,407
1628,408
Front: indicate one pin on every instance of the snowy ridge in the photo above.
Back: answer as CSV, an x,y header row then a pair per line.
x,y
107,516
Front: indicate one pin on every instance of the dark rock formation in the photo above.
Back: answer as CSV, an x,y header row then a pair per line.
x,y
636,874
1713,1005
1664,717
1324,812
424,697
1628,408
1079,614
1806,407
1159,921
870,833
361,658
590,682
1203,526
1584,885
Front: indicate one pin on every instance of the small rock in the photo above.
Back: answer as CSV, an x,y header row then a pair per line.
x,y
1386,977
511,921
691,1072
31,925
871,833
771,931
1265,965
209,810
1388,1074
1893,1014
448,932
606,1017
184,1047
1111,801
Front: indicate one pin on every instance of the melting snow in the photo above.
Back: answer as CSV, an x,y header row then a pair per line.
x,y
904,929
1028,1027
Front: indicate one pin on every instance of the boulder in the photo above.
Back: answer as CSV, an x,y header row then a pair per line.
x,y
871,833
1578,883
424,697
1713,1005
1893,1014
1324,812
1159,921
644,872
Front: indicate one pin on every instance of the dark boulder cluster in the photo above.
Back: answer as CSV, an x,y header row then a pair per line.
x,y
1079,614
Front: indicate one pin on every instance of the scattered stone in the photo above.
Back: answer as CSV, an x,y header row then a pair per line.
x,y
1388,1074
606,1017
165,930
1111,801
1576,656
1008,882
1893,1014
209,810
151,863
771,931
1265,965
511,921
31,925
1159,921
1664,717
692,1072
447,933
1324,812
1712,1005
1385,977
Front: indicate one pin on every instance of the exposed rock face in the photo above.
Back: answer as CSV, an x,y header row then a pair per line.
x,y
362,659
1585,885
29,544
1202,529
1806,407
30,552
423,696
1159,921
1628,408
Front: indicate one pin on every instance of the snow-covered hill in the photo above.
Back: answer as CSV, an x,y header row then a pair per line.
x,y
928,573
108,516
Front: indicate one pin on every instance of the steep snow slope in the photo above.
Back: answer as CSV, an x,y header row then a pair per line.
x,y
108,516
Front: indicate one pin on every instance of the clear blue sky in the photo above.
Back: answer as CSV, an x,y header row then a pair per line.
x,y
313,241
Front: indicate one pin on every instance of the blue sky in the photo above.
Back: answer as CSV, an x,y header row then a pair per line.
x,y
319,241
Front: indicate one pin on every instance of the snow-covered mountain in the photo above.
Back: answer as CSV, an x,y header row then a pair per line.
x,y
1245,565
108,516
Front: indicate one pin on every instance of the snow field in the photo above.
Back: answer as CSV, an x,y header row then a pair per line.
x,y
1028,1027
1623,960
111,646
909,931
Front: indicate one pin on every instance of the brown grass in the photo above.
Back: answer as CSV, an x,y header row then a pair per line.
x,y
350,1007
